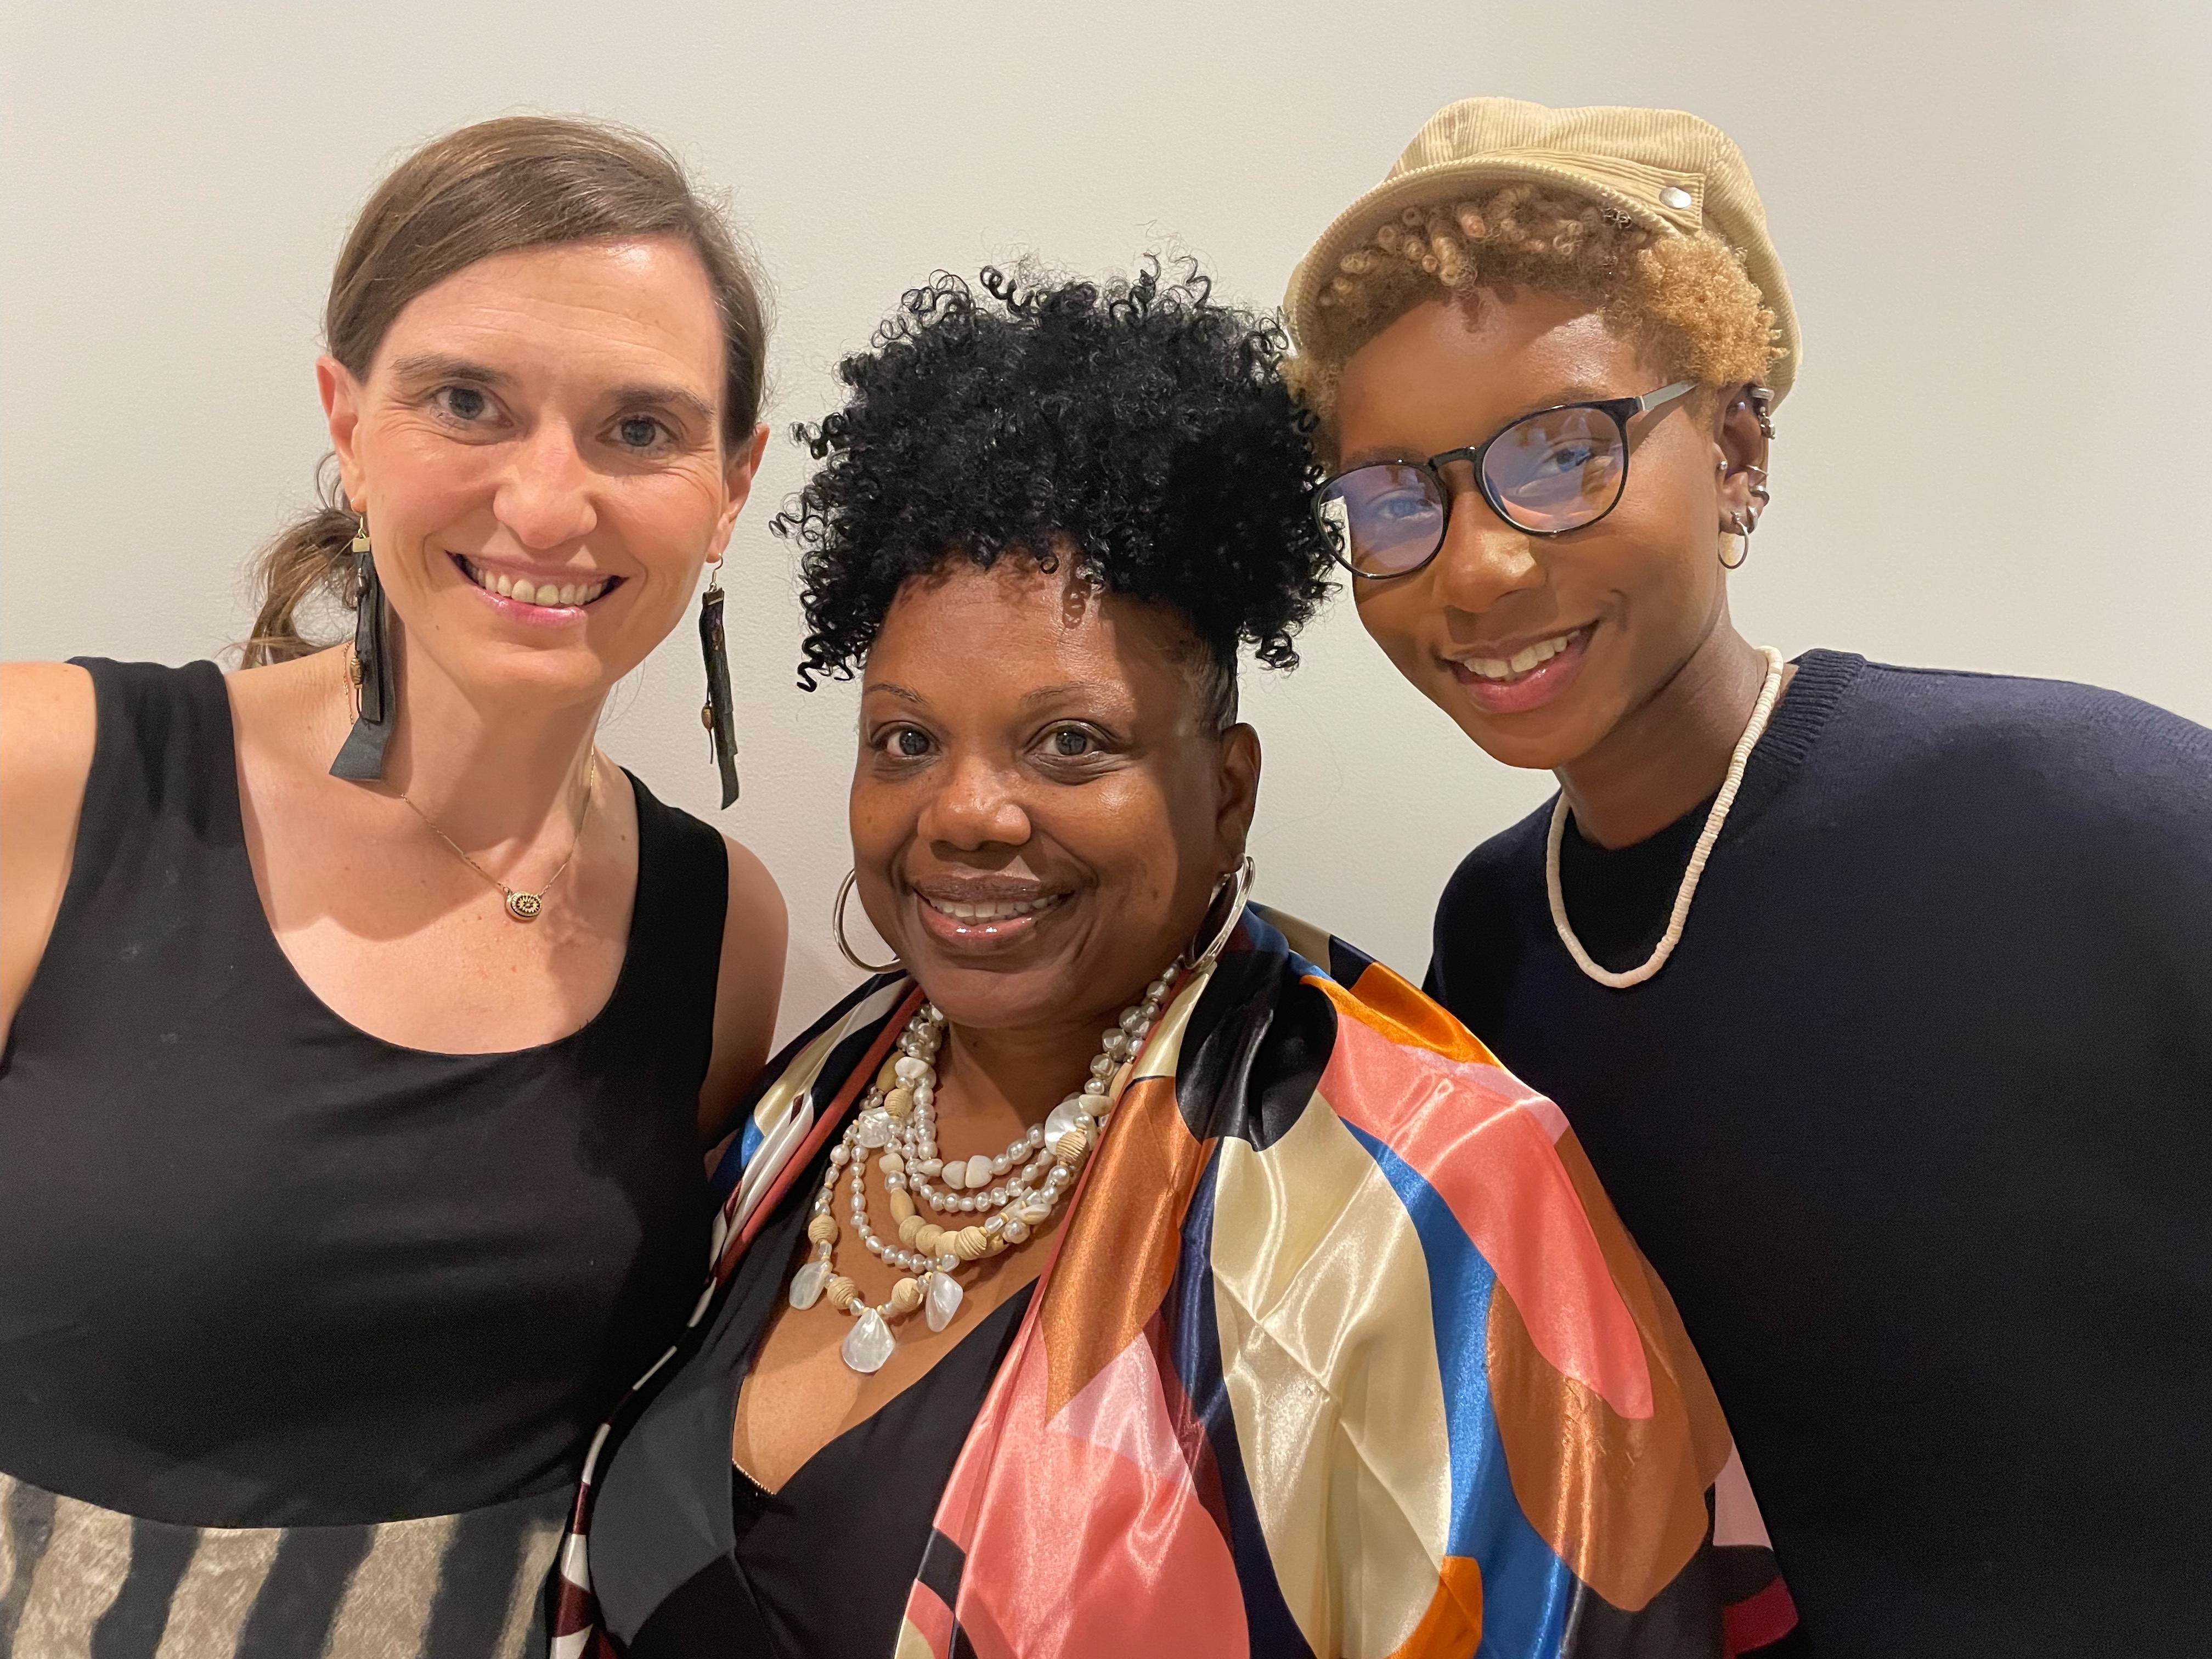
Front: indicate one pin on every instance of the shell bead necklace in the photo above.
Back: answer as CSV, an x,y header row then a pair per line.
x,y
1761,712
1015,1191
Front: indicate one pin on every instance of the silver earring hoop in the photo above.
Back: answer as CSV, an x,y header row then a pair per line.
x,y
837,927
1762,410
1237,883
1740,527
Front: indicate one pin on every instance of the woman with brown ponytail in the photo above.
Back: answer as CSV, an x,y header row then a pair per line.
x,y
364,1025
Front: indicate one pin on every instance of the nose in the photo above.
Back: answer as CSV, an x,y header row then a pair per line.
x,y
1483,558
974,806
545,498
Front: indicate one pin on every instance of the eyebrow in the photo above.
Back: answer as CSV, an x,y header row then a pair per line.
x,y
893,688
1043,694
1066,688
646,396
437,366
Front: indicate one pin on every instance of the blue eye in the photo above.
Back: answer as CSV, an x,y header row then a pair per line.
x,y
639,431
464,403
1399,507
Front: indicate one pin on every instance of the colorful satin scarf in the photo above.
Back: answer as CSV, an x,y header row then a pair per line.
x,y
1341,1352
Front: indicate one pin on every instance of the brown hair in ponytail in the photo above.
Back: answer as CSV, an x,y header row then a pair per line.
x,y
497,187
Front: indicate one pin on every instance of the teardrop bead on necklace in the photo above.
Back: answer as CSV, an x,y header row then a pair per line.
x,y
944,1298
869,1343
1016,1191
806,1284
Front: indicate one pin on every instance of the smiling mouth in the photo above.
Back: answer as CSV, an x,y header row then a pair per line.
x,y
993,909
1525,661
544,595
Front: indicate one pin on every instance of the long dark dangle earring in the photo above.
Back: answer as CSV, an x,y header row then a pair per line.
x,y
716,714
376,691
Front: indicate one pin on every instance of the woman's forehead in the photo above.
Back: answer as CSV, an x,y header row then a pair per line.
x,y
1012,631
641,306
1511,355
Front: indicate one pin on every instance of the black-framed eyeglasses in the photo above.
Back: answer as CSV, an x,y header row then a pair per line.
x,y
1546,473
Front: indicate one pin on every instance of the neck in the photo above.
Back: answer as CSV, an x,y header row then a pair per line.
x,y
1671,751
485,776
1022,1074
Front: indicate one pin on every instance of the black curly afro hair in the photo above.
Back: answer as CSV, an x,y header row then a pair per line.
x,y
1137,423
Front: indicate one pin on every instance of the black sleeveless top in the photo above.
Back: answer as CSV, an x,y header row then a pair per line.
x,y
259,1269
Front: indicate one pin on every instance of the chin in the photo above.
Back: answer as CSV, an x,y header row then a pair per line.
x,y
989,999
498,672
1541,741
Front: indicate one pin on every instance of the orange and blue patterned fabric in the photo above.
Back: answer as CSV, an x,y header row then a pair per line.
x,y
1341,1352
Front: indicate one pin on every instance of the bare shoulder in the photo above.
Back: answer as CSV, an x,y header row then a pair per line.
x,y
749,988
48,719
48,723
757,906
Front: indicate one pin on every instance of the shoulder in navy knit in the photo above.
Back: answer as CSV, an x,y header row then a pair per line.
x,y
1917,1126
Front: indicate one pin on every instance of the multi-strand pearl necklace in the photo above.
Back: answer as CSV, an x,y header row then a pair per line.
x,y
1015,1191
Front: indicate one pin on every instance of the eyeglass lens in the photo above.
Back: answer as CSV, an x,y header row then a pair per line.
x,y
1557,469
1386,518
1551,473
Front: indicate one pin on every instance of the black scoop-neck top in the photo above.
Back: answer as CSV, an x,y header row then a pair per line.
x,y
823,1566
260,1268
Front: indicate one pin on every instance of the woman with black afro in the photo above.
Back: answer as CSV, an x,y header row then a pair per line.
x,y
1124,1269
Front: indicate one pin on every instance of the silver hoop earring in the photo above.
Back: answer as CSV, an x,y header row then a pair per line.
x,y
837,927
1762,410
1740,527
1237,883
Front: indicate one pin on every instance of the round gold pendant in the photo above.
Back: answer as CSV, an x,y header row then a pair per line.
x,y
525,907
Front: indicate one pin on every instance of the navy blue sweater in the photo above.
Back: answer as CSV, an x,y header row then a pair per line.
x,y
1917,1126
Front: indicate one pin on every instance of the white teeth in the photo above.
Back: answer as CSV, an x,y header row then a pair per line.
x,y
522,589
999,910
1496,668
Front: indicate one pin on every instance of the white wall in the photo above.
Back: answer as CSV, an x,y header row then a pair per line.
x,y
1994,218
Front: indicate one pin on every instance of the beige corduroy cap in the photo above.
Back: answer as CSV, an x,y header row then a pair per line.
x,y
1668,171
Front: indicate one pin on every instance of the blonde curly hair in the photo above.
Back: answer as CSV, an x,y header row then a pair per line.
x,y
1684,302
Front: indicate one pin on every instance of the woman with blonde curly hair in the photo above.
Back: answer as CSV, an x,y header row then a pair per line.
x,y
1908,1109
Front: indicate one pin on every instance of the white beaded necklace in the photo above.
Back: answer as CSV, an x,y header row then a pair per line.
x,y
1016,1191
1761,712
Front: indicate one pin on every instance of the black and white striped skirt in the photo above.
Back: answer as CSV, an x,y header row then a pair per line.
x,y
80,1582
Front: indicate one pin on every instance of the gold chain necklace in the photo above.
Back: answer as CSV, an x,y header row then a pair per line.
x,y
523,907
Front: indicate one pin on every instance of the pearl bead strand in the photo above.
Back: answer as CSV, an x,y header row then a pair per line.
x,y
1016,1191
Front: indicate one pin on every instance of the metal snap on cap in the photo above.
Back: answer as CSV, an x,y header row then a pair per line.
x,y
1674,197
